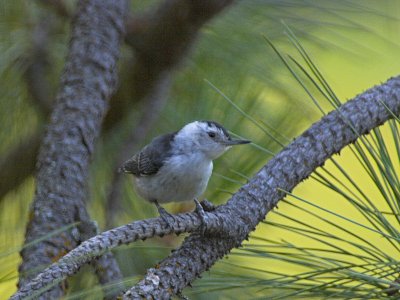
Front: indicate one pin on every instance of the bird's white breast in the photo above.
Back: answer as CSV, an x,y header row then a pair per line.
x,y
182,178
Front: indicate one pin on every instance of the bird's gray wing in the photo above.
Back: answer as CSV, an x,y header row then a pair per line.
x,y
151,158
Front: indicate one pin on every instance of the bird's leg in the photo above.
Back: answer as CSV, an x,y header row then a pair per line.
x,y
166,216
207,205
200,211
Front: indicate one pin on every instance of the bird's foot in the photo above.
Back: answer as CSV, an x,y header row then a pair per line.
x,y
166,216
207,205
201,212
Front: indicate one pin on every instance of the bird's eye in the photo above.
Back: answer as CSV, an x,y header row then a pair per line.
x,y
211,134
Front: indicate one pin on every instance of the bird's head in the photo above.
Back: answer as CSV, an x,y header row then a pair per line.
x,y
208,137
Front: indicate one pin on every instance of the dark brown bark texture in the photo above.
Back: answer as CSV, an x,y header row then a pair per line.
x,y
228,225
88,80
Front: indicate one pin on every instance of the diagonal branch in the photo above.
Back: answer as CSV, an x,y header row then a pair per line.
x,y
228,225
254,200
97,245
87,83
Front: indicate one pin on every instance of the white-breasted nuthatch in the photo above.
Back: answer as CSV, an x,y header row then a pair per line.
x,y
176,167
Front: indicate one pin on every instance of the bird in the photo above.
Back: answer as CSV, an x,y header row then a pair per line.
x,y
177,166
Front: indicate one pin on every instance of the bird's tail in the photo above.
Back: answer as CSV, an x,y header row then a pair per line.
x,y
127,167
122,170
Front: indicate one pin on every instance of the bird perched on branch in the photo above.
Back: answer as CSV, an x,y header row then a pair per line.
x,y
176,166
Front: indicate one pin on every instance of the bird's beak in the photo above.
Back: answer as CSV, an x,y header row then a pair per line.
x,y
236,142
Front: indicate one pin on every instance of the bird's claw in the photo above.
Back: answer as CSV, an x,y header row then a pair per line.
x,y
166,216
207,205
201,212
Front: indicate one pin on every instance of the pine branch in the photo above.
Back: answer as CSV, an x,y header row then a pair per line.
x,y
97,245
254,200
228,225
87,83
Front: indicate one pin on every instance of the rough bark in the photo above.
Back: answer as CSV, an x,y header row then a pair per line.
x,y
228,225
254,200
87,83
88,250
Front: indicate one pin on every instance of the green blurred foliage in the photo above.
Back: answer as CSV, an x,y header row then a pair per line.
x,y
353,41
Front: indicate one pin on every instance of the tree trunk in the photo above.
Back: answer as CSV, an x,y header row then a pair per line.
x,y
88,80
